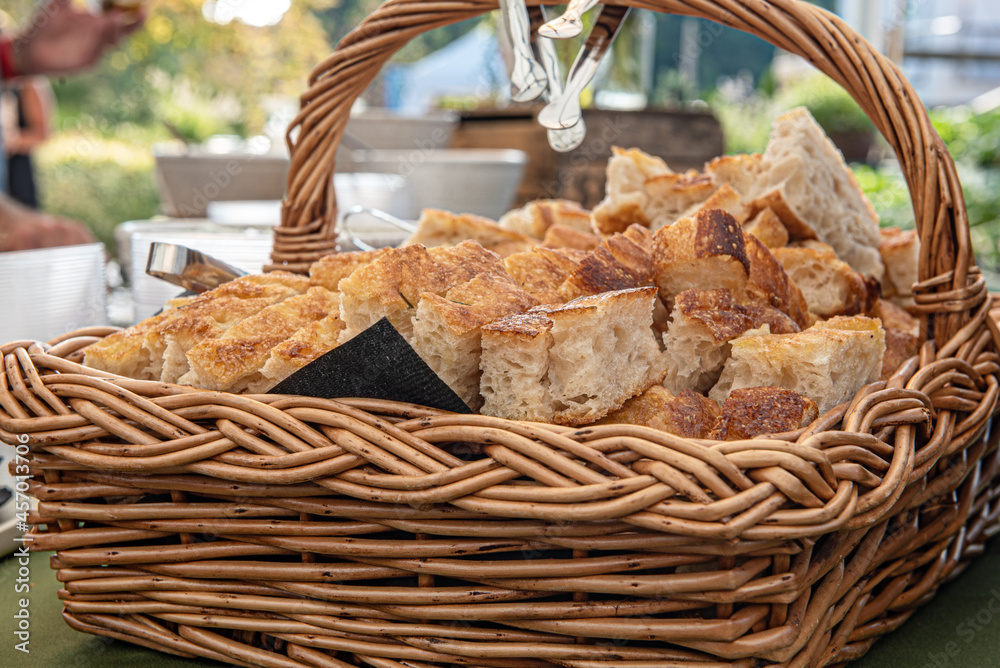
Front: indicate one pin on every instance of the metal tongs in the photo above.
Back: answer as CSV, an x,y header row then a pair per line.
x,y
536,67
404,225
188,268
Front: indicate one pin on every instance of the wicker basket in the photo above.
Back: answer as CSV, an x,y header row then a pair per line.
x,y
290,531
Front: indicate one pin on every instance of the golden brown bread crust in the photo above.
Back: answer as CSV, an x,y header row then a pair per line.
x,y
327,272
707,252
842,291
688,415
716,310
403,274
896,317
767,227
482,300
739,171
776,202
138,351
523,325
541,272
725,199
617,264
769,284
536,218
726,317
754,411
561,236
640,236
711,233
245,348
310,342
443,228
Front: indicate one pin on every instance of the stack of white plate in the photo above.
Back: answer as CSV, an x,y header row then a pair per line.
x,y
246,248
51,291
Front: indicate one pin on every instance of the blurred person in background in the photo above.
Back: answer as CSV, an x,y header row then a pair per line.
x,y
59,39
26,120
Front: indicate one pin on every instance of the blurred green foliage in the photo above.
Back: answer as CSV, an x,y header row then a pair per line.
x,y
97,180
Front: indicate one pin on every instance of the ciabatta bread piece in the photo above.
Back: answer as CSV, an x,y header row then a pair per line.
x,y
831,287
725,198
171,342
689,414
769,283
327,272
753,411
701,326
233,361
572,364
741,172
443,228
827,363
627,201
447,331
707,252
901,255
767,227
541,272
304,346
138,352
620,262
696,345
534,219
809,186
390,287
561,236
671,195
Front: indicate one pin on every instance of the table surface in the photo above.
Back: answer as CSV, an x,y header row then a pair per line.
x,y
960,628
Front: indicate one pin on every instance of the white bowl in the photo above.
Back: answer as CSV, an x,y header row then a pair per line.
x,y
479,181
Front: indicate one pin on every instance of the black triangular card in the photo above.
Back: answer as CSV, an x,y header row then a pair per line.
x,y
376,364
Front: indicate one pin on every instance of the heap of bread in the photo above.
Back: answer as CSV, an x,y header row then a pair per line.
x,y
721,304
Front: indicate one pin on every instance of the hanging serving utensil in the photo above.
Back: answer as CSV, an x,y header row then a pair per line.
x,y
570,24
564,111
562,140
527,78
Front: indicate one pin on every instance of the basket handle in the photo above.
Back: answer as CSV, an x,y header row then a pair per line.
x,y
950,288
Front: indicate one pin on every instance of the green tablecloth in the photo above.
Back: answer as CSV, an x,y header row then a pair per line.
x,y
960,628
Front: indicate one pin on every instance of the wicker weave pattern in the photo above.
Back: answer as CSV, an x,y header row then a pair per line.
x,y
292,531
285,531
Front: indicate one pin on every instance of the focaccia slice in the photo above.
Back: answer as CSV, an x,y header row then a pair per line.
x,y
688,415
753,411
447,330
390,287
536,218
304,346
827,363
809,186
327,272
572,364
233,361
443,228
